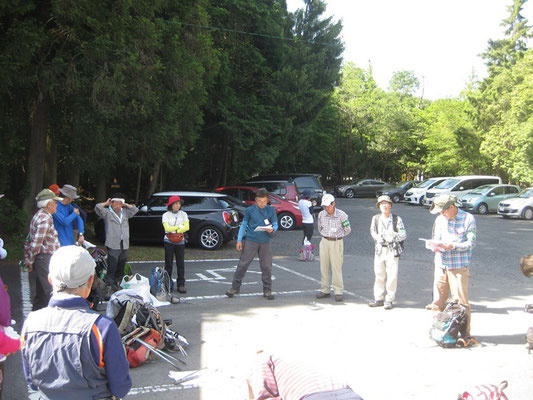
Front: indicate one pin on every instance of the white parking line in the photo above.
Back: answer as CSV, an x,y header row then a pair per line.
x,y
159,389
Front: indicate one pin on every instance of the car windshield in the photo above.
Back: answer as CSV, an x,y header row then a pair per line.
x,y
526,193
232,199
447,184
426,183
482,189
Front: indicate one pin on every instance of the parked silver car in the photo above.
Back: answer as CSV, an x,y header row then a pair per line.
x,y
520,206
485,199
361,188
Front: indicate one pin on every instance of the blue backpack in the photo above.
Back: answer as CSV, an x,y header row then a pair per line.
x,y
448,325
159,284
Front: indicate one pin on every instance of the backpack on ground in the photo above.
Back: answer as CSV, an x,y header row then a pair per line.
x,y
306,252
448,325
136,351
160,284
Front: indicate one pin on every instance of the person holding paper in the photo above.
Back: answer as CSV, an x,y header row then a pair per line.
x,y
259,223
454,237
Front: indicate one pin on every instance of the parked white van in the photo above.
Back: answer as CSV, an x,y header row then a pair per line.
x,y
416,194
459,186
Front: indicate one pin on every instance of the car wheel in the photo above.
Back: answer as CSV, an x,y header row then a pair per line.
x,y
527,213
350,194
286,221
482,208
210,238
395,198
421,201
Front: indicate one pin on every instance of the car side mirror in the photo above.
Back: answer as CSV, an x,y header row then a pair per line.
x,y
143,209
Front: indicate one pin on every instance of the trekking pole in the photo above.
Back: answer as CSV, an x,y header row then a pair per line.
x,y
162,354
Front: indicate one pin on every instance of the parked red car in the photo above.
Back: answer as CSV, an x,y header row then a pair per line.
x,y
289,215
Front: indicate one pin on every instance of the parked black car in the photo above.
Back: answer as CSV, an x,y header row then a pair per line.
x,y
213,219
396,193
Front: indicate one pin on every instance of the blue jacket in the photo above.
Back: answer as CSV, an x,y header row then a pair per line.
x,y
254,217
63,222
108,374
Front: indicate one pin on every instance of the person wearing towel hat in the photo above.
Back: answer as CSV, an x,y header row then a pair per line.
x,y
41,243
454,237
89,358
116,212
388,233
65,216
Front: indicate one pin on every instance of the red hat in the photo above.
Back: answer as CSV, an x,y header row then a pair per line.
x,y
54,188
172,200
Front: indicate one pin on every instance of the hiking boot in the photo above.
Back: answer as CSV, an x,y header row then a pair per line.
x,y
232,292
338,297
181,289
322,295
375,303
268,295
388,305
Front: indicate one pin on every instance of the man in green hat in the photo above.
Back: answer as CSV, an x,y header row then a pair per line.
x,y
454,237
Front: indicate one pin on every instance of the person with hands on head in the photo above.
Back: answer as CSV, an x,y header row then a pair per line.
x,y
306,208
68,350
175,221
259,223
65,216
388,231
116,212
333,225
41,243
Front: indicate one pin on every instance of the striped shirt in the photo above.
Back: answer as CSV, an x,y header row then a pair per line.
x,y
287,379
42,237
334,226
461,232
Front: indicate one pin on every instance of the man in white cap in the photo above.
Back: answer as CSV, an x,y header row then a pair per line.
x,y
65,216
116,214
39,246
69,351
333,225
454,237
388,233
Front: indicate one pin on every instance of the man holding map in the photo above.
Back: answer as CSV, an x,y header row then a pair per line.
x,y
259,223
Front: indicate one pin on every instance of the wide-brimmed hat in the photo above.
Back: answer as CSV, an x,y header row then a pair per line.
x,y
71,267
327,199
172,200
442,202
69,191
383,197
46,194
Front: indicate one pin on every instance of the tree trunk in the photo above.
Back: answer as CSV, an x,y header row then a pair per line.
x,y
36,157
101,194
138,185
50,170
154,178
73,177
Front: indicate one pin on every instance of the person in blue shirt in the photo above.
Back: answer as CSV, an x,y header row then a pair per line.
x,y
65,216
259,223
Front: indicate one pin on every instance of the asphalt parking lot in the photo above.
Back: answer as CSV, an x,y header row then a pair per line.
x,y
383,354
